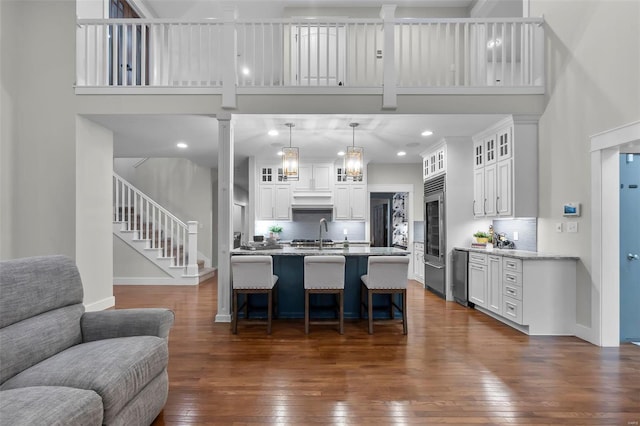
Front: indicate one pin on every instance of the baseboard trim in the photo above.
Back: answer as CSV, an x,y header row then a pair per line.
x,y
586,333
155,281
223,318
101,305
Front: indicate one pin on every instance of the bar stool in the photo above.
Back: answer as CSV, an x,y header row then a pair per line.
x,y
324,274
385,275
252,275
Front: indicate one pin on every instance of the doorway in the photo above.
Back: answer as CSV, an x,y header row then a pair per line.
x,y
629,247
604,326
389,219
380,219
319,55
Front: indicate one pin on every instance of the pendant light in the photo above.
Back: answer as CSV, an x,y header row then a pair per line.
x,y
290,159
354,158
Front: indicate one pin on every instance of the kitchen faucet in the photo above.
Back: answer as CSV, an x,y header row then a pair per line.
x,y
326,229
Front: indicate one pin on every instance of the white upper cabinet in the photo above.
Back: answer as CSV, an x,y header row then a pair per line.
x,y
342,178
274,194
315,177
434,162
350,201
505,170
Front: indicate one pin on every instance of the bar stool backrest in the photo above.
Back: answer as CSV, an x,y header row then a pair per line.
x,y
324,272
252,272
388,272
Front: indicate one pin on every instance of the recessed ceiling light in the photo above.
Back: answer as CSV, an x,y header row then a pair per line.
x,y
273,132
427,133
401,154
280,153
245,71
182,145
341,153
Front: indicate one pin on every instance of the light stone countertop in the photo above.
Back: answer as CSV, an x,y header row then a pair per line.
x,y
520,254
333,251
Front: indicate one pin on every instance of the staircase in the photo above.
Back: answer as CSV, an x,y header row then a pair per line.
x,y
158,235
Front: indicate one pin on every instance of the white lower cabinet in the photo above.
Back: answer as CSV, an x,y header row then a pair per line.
x,y
418,264
478,279
494,284
536,296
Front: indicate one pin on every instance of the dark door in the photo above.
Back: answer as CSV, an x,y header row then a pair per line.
x,y
127,55
380,224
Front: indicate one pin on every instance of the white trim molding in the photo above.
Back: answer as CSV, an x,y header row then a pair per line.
x,y
101,305
605,252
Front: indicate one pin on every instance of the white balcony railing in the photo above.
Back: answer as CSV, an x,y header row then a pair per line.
x,y
284,53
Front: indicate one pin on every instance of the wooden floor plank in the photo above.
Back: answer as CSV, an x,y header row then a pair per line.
x,y
456,366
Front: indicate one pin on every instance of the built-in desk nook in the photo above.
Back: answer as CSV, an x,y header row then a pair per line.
x,y
288,265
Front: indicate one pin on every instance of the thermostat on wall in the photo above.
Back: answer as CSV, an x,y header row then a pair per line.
x,y
571,209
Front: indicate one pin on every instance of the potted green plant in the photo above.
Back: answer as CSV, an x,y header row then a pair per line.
x,y
275,231
481,237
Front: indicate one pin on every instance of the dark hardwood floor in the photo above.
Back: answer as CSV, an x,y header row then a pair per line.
x,y
456,366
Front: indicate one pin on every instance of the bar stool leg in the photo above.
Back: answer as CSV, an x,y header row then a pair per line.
x,y
341,301
391,305
234,318
269,310
306,312
370,310
404,311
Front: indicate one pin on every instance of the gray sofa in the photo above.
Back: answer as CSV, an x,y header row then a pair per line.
x,y
60,365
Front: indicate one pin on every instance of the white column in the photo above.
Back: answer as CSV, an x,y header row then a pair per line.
x,y
225,215
389,92
192,242
229,58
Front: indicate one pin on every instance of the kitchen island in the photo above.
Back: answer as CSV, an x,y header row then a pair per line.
x,y
288,265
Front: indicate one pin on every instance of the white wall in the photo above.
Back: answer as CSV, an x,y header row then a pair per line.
x,y
390,174
592,85
8,137
128,263
94,256
41,125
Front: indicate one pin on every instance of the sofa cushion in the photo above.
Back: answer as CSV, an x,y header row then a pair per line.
x,y
116,369
33,285
51,405
33,340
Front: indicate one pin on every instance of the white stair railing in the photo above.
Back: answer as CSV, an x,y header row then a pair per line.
x,y
157,225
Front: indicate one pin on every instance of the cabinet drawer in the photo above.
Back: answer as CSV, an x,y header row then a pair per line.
x,y
512,278
418,246
510,264
512,309
478,258
512,291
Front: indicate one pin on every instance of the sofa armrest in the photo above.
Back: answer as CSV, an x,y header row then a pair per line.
x,y
126,323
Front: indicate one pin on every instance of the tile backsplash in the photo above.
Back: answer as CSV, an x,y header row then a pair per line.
x,y
309,228
527,229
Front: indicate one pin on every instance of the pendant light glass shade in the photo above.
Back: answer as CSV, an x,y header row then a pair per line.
x,y
290,159
354,158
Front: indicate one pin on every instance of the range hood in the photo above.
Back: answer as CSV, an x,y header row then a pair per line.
x,y
312,200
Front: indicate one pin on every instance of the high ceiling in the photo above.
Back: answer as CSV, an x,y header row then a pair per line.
x,y
317,136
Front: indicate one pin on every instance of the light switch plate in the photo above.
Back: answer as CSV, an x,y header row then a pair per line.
x,y
515,235
572,226
559,227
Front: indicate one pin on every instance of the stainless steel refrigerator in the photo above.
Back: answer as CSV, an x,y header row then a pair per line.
x,y
434,235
